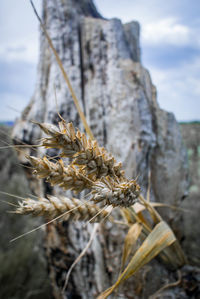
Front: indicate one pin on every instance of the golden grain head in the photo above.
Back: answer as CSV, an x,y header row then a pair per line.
x,y
68,178
71,209
116,194
74,144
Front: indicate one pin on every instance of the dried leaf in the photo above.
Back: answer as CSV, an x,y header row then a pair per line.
x,y
127,215
131,238
160,237
138,207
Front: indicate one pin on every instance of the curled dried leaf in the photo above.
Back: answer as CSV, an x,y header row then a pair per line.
x,y
130,239
160,237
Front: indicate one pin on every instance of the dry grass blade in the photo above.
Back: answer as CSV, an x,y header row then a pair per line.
x,y
161,237
82,116
153,213
80,256
128,216
131,238
18,146
173,256
138,207
137,218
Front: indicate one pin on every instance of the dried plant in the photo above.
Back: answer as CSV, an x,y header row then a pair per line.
x,y
69,178
93,168
95,160
107,186
90,167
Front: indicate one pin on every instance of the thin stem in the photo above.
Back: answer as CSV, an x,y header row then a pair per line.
x,y
76,102
156,217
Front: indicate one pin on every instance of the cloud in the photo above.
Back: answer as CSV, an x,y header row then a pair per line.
x,y
167,56
179,89
18,31
20,50
166,31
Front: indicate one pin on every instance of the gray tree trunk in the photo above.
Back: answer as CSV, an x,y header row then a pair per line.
x,y
102,59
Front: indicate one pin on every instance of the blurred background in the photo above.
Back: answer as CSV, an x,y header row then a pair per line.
x,y
169,41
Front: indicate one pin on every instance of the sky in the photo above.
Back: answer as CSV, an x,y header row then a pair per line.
x,y
170,47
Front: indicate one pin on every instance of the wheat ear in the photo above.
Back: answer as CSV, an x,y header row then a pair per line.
x,y
52,207
106,190
96,161
112,193
69,178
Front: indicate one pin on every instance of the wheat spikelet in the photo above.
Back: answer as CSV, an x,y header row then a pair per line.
x,y
63,138
106,190
69,178
52,207
96,160
116,194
